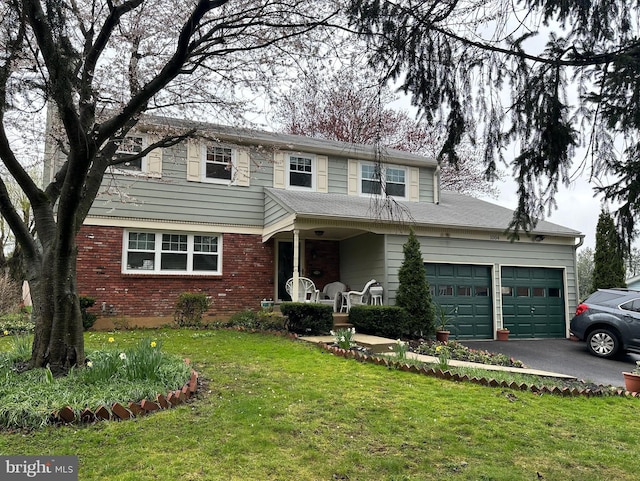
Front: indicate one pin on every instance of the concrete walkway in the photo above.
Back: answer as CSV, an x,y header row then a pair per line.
x,y
381,345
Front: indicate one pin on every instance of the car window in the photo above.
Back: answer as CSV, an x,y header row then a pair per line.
x,y
633,305
603,297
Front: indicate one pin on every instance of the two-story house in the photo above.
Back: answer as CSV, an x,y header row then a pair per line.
x,y
231,213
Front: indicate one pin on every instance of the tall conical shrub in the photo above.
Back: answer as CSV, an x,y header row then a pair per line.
x,y
608,259
413,291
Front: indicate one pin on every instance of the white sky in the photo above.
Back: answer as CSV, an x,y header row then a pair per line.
x,y
576,206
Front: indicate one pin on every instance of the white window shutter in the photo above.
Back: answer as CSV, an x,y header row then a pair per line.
x,y
194,160
154,159
414,184
278,170
352,181
322,170
243,168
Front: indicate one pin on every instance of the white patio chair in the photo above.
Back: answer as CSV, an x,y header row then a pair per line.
x,y
359,298
331,294
307,291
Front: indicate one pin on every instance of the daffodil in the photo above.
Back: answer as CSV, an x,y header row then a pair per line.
x,y
111,339
153,344
89,364
6,333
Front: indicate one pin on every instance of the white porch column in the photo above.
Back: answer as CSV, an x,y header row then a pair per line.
x,y
296,265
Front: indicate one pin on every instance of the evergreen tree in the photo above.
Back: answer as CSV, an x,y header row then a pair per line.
x,y
585,272
413,291
608,269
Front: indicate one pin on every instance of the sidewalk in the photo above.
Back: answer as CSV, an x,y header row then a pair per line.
x,y
381,345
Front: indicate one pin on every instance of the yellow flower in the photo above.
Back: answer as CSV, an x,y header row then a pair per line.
x,y
111,339
438,348
6,333
153,344
89,364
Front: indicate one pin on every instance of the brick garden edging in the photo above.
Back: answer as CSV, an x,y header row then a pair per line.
x,y
134,409
424,370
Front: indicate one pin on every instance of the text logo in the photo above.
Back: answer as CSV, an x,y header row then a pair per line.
x,y
50,468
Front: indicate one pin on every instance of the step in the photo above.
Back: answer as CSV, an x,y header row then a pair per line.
x,y
341,321
376,344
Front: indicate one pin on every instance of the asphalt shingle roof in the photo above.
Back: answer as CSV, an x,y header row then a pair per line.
x,y
454,210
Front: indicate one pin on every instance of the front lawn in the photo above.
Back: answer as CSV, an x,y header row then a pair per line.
x,y
276,409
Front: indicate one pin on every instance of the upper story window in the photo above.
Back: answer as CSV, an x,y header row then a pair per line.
x,y
149,166
375,179
301,172
219,163
131,144
172,253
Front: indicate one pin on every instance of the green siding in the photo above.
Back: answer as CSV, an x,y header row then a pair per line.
x,y
173,198
362,259
492,253
426,185
338,175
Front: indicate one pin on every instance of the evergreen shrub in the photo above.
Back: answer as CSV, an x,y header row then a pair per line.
x,y
307,318
385,321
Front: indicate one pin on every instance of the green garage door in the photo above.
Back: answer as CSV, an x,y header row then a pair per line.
x,y
464,290
533,302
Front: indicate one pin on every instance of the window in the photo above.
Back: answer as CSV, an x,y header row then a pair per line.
x,y
219,163
464,291
171,253
131,144
631,306
375,179
371,179
395,181
300,172
538,292
481,291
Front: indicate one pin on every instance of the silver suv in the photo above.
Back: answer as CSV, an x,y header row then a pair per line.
x,y
609,321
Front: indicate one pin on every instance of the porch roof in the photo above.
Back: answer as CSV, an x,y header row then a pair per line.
x,y
453,211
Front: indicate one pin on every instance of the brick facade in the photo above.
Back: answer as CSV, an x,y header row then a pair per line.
x,y
247,278
322,261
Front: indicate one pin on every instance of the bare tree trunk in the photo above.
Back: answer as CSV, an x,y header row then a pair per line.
x,y
58,341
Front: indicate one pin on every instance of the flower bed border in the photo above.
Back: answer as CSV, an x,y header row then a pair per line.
x,y
117,412
403,366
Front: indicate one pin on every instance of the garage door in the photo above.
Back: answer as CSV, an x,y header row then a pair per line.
x,y
533,302
466,291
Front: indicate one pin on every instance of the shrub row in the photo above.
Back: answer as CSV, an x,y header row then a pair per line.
x,y
385,321
307,318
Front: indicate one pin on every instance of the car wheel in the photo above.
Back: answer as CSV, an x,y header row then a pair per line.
x,y
603,343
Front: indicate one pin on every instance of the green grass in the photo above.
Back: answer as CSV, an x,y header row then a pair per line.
x,y
274,409
114,373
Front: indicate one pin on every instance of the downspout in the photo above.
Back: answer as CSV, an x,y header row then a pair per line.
x,y
436,185
575,267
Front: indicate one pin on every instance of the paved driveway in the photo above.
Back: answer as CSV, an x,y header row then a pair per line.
x,y
562,356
